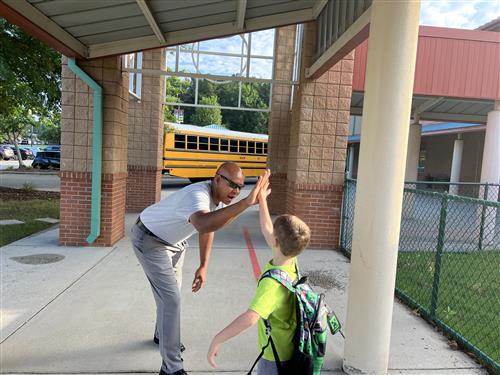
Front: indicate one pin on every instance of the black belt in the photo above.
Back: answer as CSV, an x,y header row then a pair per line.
x,y
142,227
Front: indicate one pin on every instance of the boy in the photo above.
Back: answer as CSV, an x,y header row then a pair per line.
x,y
287,237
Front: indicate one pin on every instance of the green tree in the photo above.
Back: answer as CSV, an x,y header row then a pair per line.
x,y
50,131
207,116
175,92
30,78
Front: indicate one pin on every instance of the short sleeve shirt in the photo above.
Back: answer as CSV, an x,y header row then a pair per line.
x,y
169,218
274,302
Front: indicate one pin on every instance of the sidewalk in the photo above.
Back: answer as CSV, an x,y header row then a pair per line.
x,y
93,311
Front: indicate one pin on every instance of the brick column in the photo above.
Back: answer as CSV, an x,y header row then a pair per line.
x,y
280,118
145,141
318,146
76,153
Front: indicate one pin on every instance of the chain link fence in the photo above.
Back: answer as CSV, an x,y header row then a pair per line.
x,y
448,260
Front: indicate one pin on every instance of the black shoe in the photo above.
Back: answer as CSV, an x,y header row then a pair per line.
x,y
157,341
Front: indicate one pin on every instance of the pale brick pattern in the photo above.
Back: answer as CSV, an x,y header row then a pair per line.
x,y
318,146
145,140
76,153
280,118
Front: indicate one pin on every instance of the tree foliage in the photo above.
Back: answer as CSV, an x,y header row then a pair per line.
x,y
30,78
207,116
254,95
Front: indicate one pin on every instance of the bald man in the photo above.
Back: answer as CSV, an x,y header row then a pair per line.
x,y
159,240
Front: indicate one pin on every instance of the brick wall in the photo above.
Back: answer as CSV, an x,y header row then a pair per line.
x,y
76,190
143,187
277,199
320,207
145,137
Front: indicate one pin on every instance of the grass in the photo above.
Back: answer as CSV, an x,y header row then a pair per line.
x,y
27,211
469,292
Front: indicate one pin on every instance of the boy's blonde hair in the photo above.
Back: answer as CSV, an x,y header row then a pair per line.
x,y
292,233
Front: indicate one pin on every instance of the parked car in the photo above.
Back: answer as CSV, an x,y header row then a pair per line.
x,y
6,152
26,153
47,159
53,148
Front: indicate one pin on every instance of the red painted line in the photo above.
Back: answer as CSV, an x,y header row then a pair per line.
x,y
251,253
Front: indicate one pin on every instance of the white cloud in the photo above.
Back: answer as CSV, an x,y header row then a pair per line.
x,y
461,14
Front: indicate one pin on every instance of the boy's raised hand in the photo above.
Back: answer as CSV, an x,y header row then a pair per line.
x,y
253,197
264,189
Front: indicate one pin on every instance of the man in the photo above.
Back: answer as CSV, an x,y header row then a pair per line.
x,y
159,240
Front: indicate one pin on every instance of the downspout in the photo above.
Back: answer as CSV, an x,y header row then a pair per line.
x,y
95,219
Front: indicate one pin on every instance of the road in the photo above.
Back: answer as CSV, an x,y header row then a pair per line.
x,y
49,181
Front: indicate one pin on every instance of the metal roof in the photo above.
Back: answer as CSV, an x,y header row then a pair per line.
x,y
438,108
96,28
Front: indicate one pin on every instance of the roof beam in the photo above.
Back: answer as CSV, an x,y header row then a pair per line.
x,y
353,36
34,22
151,20
455,117
318,6
425,106
198,34
240,15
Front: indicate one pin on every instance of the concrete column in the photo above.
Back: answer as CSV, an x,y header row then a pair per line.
x,y
280,118
415,136
76,153
318,144
350,164
145,141
456,163
384,143
490,173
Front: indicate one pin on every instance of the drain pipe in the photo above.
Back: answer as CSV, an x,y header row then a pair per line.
x,y
95,219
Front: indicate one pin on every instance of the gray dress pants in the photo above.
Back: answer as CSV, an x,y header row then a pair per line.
x,y
162,264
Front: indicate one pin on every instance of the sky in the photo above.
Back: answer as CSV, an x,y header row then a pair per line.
x,y
462,14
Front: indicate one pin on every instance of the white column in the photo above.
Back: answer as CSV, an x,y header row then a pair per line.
x,y
456,163
384,141
411,171
350,162
490,172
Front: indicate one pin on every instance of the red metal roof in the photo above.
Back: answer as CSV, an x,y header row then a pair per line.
x,y
450,62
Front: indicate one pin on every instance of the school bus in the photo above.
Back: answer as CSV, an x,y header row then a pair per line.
x,y
195,152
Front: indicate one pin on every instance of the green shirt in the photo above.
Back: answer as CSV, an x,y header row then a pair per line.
x,y
274,302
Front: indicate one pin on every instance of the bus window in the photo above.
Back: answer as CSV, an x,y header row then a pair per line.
x,y
224,144
243,147
214,144
251,147
234,145
180,141
258,147
203,145
192,142
265,148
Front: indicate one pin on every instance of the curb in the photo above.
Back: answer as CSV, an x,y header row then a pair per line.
x,y
12,172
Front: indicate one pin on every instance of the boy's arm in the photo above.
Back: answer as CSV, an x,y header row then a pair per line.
x,y
240,324
266,224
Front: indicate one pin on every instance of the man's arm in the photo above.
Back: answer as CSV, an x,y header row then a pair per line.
x,y
211,221
240,324
205,243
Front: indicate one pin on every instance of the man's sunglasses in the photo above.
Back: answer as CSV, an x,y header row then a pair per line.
x,y
232,184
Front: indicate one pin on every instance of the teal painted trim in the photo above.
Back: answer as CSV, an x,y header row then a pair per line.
x,y
95,218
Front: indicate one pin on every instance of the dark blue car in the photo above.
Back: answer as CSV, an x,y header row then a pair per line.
x,y
47,159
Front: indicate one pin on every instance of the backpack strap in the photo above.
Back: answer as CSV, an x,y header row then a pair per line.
x,y
273,347
280,276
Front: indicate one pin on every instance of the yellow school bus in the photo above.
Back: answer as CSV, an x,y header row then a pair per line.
x,y
195,152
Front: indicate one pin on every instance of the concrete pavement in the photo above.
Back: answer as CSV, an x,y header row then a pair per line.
x,y
93,312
